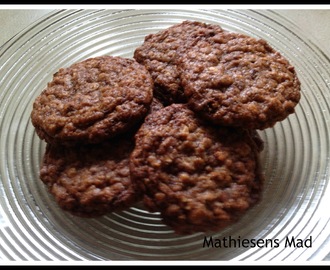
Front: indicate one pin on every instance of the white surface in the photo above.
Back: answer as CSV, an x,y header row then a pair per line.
x,y
14,21
316,22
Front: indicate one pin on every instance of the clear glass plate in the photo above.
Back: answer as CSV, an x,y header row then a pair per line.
x,y
295,159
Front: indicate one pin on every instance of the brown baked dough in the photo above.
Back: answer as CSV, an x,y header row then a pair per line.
x,y
90,180
158,54
236,80
199,177
93,100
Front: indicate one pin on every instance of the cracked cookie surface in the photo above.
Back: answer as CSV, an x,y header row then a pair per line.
x,y
236,80
160,51
198,177
90,180
92,100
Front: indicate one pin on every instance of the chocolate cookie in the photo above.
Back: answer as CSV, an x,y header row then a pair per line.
x,y
90,180
158,54
236,80
199,177
93,100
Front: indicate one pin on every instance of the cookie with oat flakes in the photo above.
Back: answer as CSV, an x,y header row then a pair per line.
x,y
93,100
199,177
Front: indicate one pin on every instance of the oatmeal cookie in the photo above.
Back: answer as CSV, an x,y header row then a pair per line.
x,y
155,105
199,177
90,180
93,100
158,54
236,80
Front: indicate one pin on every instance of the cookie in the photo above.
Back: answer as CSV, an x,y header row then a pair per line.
x,y
158,54
93,100
236,80
199,177
155,105
90,180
